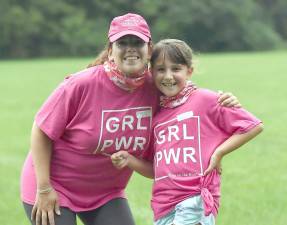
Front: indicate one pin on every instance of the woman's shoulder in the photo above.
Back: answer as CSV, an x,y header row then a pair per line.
x,y
87,73
86,76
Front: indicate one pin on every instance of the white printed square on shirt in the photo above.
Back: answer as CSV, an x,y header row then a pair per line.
x,y
177,147
125,129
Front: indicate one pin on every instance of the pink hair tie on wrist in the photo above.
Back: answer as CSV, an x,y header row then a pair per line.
x,y
45,190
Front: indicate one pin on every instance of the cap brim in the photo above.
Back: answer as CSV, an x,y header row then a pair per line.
x,y
115,37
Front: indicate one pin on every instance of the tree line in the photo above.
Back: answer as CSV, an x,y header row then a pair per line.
x,y
34,28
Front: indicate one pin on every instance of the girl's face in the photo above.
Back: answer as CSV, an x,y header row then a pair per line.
x,y
170,78
131,54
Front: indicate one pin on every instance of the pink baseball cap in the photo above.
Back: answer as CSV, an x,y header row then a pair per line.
x,y
130,23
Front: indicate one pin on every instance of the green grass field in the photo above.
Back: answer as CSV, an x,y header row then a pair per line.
x,y
254,180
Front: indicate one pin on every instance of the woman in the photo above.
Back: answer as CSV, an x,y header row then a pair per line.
x,y
91,115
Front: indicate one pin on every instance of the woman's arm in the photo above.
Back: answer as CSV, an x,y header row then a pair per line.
x,y
122,159
232,143
41,148
46,198
227,99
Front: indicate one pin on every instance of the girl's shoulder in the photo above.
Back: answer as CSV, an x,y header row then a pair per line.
x,y
206,94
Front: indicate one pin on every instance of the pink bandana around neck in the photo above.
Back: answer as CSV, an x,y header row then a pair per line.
x,y
179,99
122,81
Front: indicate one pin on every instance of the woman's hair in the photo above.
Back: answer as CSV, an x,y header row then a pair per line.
x,y
102,56
175,50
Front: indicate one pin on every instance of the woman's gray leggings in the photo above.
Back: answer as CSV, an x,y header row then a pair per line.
x,y
114,212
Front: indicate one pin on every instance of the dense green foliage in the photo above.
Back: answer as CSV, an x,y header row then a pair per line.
x,y
32,28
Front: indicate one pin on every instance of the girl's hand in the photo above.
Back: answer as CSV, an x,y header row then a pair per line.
x,y
120,159
215,163
228,100
45,206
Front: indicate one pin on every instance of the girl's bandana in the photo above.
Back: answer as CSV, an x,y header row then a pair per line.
x,y
179,99
122,81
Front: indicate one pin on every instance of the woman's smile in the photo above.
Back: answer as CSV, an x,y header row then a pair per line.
x,y
130,54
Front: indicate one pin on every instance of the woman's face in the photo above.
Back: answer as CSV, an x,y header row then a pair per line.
x,y
131,54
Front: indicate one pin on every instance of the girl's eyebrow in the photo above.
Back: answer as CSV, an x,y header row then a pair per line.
x,y
159,65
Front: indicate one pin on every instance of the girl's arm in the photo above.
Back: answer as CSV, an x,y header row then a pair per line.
x,y
46,202
122,159
232,143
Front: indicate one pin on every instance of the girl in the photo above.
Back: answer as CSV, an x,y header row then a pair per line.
x,y
191,135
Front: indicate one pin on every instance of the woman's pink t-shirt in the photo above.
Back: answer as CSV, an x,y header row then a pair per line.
x,y
88,117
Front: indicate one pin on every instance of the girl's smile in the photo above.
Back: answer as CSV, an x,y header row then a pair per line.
x,y
170,78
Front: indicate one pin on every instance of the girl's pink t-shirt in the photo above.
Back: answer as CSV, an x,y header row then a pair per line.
x,y
88,118
184,140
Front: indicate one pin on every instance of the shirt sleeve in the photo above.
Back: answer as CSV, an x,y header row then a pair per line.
x,y
58,110
235,120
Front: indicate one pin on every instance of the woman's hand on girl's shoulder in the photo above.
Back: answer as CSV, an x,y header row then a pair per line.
x,y
227,99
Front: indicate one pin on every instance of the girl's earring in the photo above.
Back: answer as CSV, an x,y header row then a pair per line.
x,y
110,58
149,66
